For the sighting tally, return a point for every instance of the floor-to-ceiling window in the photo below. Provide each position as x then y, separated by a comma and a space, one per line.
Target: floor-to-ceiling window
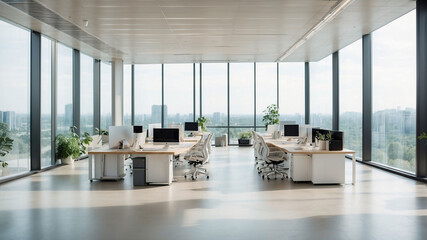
214, 96
106, 96
321, 93
350, 96
394, 93
127, 94
178, 93
266, 90
241, 99
86, 94
15, 96
148, 94
46, 102
64, 104
292, 92
197, 89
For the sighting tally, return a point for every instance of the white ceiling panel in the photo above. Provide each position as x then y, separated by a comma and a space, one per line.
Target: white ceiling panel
176, 31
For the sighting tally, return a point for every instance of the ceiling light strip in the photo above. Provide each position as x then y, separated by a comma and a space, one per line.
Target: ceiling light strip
339, 7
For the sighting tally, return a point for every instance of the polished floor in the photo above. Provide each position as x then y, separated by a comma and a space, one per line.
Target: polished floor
235, 203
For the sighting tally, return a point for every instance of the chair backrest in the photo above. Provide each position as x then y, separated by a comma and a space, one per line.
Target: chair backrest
209, 139
205, 148
264, 149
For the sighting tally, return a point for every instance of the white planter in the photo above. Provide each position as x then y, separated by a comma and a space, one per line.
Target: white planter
68, 161
324, 145
105, 139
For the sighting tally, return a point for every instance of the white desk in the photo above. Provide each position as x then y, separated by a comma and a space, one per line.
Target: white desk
159, 161
318, 165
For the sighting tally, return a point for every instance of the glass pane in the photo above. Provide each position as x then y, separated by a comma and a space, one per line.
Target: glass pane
148, 94
394, 93
178, 80
292, 92
46, 101
217, 132
321, 93
214, 94
15, 96
241, 94
127, 95
266, 88
86, 94
197, 90
235, 134
106, 95
64, 104
350, 75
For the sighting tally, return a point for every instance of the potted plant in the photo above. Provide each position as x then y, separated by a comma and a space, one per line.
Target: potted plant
271, 115
67, 149
83, 141
6, 145
203, 122
245, 139
324, 140
103, 133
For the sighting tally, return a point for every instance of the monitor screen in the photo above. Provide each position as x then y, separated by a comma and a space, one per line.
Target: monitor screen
137, 129
191, 126
291, 130
118, 133
165, 135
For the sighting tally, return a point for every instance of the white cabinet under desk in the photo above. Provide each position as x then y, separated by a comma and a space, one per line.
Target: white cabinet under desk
299, 167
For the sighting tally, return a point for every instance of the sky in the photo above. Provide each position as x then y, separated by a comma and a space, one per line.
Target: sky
394, 78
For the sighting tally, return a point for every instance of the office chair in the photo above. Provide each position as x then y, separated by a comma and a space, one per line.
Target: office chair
273, 159
197, 158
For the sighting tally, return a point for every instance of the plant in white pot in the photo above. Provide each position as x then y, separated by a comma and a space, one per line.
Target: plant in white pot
203, 122
324, 140
67, 149
103, 133
6, 144
271, 115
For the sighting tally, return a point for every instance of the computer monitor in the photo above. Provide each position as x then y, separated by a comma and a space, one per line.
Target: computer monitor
191, 126
151, 126
181, 130
137, 129
291, 130
283, 123
118, 133
166, 136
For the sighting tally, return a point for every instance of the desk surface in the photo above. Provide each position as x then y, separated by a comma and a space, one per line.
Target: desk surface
294, 148
149, 148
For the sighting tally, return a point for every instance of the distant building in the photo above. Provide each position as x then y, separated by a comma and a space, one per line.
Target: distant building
216, 117
156, 113
9, 118
1, 116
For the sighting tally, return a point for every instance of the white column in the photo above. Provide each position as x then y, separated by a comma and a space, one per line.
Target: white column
117, 91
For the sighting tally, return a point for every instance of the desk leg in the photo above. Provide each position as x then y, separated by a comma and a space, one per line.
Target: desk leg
89, 160
353, 175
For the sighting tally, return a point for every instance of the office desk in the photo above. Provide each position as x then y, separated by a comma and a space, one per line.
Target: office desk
318, 160
159, 161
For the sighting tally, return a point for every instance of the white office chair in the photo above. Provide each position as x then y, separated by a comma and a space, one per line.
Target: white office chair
198, 157
273, 159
